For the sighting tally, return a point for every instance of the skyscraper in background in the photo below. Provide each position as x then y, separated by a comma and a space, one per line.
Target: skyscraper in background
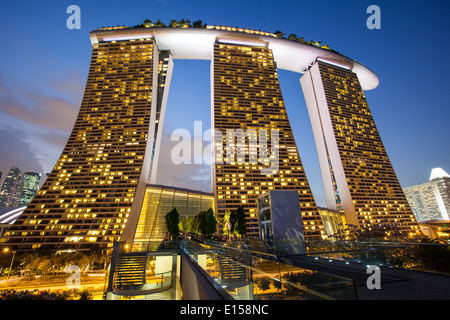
441, 184
431, 200
30, 187
12, 188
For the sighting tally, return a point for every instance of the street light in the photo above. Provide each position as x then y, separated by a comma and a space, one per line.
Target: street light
12, 260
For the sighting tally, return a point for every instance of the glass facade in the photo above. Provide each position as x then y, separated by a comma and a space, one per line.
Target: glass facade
441, 187
158, 201
12, 188
430, 200
333, 220
30, 187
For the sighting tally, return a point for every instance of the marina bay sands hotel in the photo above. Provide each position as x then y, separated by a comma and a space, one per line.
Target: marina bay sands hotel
102, 188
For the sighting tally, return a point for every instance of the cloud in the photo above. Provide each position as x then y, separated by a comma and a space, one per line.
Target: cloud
191, 176
38, 109
43, 115
35, 125
15, 151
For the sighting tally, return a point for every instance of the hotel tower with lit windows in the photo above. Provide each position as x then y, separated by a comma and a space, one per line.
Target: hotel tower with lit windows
356, 171
97, 191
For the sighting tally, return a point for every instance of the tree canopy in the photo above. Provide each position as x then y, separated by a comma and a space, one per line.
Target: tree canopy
172, 221
186, 23
241, 224
205, 223
234, 222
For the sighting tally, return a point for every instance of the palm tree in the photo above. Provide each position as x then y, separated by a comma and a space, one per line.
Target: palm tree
148, 23
160, 24
185, 23
174, 23
279, 34
198, 24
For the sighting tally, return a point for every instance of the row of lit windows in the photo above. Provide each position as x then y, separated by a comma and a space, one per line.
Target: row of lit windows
238, 103
369, 174
121, 75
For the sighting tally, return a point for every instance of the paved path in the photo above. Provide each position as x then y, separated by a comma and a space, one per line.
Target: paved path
422, 286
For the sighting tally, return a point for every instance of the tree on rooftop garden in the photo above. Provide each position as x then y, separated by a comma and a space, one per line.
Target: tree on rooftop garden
159, 24
279, 34
198, 24
173, 23
148, 23
182, 23
185, 23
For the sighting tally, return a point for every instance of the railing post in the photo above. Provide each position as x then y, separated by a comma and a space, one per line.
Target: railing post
118, 248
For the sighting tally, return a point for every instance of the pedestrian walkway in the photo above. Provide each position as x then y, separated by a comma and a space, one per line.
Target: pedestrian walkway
421, 286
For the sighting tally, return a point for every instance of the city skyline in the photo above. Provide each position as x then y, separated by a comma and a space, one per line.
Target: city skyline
41, 89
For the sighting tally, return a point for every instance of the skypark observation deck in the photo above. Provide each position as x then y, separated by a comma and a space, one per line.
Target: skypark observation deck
198, 44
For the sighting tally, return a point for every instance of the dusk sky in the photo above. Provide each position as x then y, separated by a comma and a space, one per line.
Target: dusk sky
44, 67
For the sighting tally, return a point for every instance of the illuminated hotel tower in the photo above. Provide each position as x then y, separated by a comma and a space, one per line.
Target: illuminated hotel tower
356, 170
246, 95
98, 183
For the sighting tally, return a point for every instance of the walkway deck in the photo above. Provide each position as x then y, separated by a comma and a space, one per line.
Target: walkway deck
422, 286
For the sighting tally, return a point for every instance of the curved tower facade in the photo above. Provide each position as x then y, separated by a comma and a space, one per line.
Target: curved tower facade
357, 174
98, 183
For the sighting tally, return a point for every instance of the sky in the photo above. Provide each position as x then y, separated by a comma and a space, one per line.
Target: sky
44, 67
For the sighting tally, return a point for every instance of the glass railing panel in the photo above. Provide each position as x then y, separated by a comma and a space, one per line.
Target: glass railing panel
157, 281
249, 275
